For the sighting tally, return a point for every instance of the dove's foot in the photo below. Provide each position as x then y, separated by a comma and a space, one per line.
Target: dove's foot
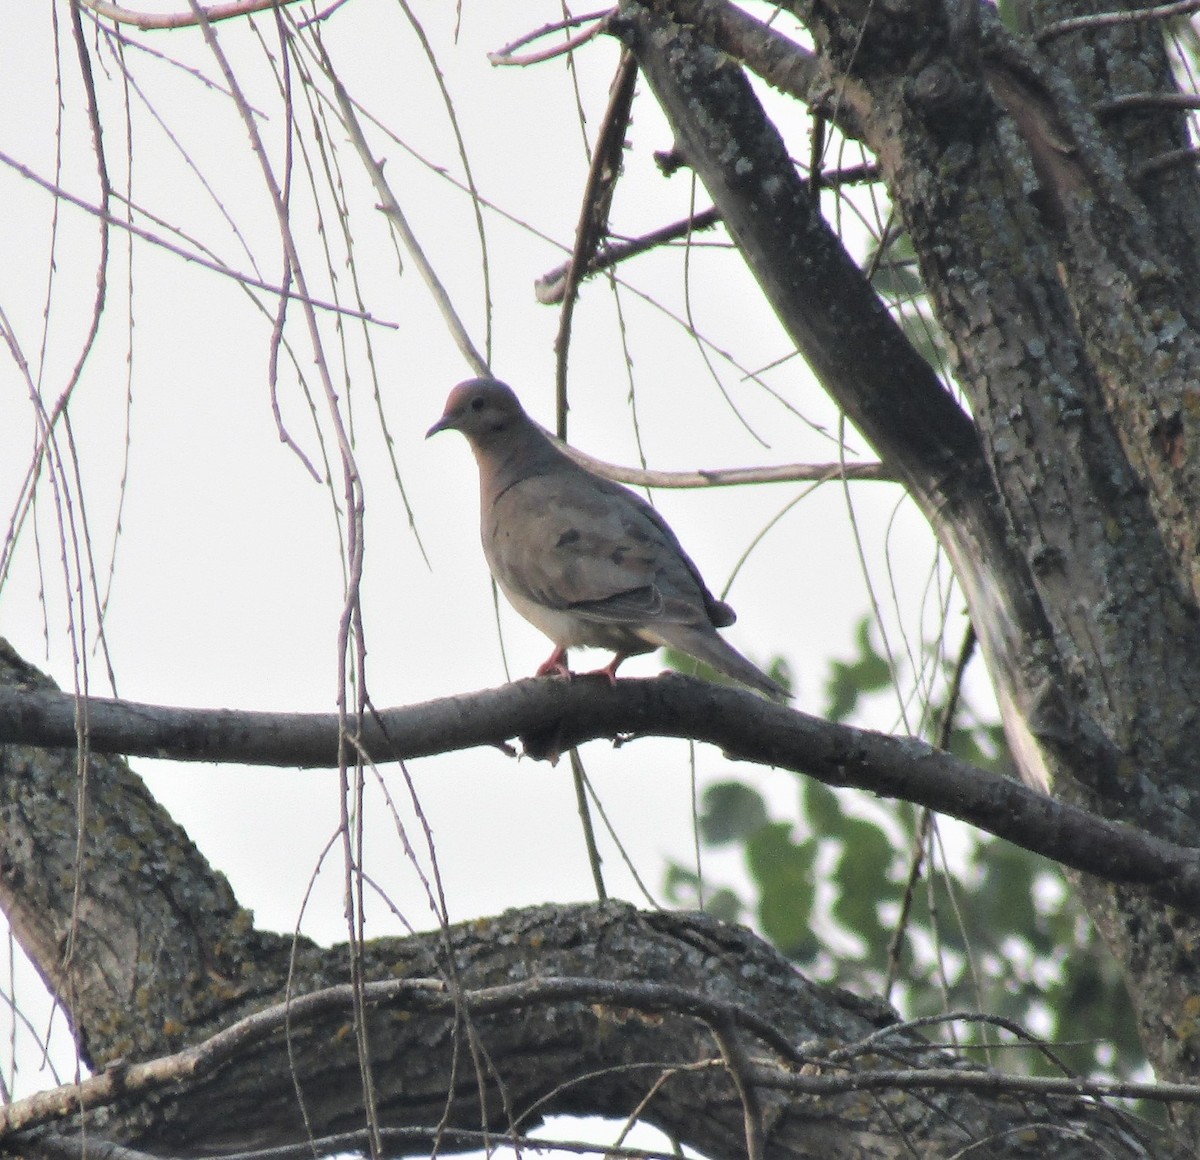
555, 665
609, 672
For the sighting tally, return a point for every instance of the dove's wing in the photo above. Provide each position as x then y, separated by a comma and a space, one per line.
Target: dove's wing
574, 542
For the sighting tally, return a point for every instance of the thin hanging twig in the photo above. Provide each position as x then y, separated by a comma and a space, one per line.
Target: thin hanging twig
593, 215
925, 822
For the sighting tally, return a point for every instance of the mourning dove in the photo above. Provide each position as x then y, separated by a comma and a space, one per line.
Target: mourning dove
583, 559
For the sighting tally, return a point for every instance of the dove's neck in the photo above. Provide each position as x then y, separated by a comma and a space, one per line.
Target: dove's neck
523, 453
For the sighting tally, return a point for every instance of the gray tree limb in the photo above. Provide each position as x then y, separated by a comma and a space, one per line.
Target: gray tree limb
551, 716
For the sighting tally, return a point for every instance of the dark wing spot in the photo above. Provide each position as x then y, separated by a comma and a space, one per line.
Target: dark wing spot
617, 555
636, 533
570, 536
721, 615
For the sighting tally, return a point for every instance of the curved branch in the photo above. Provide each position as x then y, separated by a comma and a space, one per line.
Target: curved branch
551, 715
510, 49
158, 20
823, 1071
410, 995
507, 56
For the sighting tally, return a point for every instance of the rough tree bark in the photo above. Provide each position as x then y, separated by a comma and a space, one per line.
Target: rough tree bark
1062, 258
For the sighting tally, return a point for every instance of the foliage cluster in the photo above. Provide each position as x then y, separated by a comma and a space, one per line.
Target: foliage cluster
880, 898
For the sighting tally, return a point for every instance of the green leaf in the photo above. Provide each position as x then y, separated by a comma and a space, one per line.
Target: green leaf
868, 672
862, 879
725, 905
731, 812
783, 870
821, 807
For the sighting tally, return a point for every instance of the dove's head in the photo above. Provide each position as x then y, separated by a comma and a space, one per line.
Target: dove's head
487, 412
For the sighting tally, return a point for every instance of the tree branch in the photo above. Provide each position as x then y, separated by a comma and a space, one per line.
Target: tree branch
158, 20
731, 476
552, 715
868, 366
1096, 20
668, 983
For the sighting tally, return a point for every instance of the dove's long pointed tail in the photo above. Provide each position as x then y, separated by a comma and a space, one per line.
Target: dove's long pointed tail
711, 648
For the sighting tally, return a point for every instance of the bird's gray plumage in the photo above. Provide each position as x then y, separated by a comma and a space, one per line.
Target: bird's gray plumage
584, 559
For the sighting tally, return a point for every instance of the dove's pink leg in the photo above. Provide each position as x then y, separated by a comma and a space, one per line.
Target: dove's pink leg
610, 670
555, 665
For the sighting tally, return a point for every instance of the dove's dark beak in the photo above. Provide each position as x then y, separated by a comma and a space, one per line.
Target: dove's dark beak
445, 423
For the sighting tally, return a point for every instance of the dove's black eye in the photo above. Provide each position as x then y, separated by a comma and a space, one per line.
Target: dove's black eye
478, 403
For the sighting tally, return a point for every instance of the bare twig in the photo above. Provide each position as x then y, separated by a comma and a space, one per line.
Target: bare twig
154, 239
568, 45
731, 476
391, 207
877, 1040
1132, 102
579, 778
1110, 19
149, 20
737, 1065
507, 54
468, 170
598, 192
1185, 156
549, 288
925, 822
949, 1079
